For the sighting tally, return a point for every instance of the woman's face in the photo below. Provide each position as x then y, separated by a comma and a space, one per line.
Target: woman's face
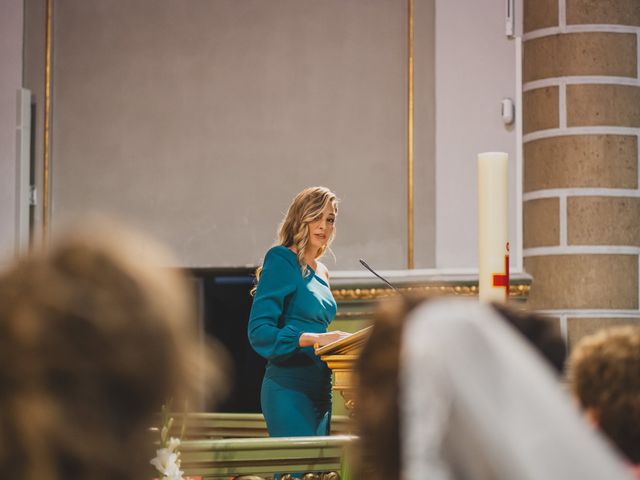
321, 229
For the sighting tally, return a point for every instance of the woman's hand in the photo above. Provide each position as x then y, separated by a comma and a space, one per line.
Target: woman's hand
321, 339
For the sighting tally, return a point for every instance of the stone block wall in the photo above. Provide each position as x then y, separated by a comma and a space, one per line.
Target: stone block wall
581, 125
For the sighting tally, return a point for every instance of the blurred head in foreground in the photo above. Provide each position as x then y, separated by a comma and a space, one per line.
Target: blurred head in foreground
604, 373
449, 389
94, 338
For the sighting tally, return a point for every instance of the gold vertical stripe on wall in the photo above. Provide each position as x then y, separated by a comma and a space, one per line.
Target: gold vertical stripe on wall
410, 138
47, 124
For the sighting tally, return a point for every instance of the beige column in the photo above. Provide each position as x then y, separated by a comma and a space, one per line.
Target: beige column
581, 125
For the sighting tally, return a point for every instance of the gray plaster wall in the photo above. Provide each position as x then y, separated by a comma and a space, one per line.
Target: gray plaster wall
475, 69
11, 22
199, 120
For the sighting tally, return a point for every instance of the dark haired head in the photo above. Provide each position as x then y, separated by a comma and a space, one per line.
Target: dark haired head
539, 332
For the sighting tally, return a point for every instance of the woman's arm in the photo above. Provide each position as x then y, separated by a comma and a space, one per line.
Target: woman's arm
278, 280
321, 339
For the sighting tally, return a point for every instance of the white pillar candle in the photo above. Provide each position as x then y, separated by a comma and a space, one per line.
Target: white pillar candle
493, 230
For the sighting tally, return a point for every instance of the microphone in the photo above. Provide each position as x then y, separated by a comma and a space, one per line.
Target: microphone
364, 264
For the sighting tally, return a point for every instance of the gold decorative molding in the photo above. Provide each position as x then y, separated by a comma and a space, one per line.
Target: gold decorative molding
355, 294
410, 215
47, 123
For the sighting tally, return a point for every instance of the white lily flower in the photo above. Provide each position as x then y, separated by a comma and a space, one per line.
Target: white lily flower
161, 459
167, 459
173, 444
173, 471
166, 462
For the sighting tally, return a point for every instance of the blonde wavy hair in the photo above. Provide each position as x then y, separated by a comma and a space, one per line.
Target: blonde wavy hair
293, 231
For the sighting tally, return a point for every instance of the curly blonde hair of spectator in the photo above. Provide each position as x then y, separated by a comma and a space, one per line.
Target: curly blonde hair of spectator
604, 374
92, 342
293, 231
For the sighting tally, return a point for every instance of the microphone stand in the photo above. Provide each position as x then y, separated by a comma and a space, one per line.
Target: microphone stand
364, 264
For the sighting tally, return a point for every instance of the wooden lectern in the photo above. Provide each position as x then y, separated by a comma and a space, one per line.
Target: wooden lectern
357, 297
341, 356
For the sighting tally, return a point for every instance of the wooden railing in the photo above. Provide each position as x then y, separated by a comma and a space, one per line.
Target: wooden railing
315, 457
209, 426
228, 446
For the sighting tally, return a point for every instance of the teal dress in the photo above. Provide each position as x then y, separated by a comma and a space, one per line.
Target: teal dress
296, 389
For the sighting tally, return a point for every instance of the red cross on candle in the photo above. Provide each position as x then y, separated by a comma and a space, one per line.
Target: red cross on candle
502, 279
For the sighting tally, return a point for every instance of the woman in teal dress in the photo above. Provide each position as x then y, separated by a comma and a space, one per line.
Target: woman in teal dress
291, 311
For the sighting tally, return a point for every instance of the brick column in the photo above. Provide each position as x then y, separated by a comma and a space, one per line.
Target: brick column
581, 120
